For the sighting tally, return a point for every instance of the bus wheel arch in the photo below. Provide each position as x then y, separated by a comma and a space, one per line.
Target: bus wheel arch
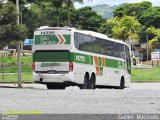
92, 81
122, 83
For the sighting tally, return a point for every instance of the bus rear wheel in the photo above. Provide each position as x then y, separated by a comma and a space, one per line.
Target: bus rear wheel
92, 82
85, 85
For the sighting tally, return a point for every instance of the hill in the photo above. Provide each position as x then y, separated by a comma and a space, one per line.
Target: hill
104, 10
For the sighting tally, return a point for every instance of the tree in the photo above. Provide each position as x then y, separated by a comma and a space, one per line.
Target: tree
58, 4
124, 28
136, 10
151, 17
154, 41
132, 9
70, 4
9, 30
106, 27
88, 19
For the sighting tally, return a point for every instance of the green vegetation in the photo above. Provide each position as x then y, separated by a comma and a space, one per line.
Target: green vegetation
144, 75
9, 78
10, 31
10, 69
10, 64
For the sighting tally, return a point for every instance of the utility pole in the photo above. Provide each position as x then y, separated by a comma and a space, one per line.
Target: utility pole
130, 39
18, 50
147, 46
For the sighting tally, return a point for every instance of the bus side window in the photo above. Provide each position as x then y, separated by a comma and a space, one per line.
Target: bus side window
128, 60
116, 50
76, 40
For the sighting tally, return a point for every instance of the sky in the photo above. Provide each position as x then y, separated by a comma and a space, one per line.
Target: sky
112, 2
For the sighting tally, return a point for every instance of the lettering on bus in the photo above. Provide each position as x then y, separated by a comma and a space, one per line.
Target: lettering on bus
49, 64
80, 58
46, 40
47, 33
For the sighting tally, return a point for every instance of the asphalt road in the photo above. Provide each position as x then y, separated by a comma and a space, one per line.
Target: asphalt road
139, 98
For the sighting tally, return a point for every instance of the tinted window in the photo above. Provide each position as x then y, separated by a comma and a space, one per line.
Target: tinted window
103, 47
100, 46
119, 50
83, 42
128, 59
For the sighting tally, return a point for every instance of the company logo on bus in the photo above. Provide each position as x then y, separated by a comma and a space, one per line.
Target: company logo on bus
80, 58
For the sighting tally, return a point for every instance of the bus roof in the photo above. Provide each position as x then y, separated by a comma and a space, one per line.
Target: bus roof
54, 28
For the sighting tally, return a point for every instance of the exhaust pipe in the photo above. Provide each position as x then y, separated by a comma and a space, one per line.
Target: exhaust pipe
41, 79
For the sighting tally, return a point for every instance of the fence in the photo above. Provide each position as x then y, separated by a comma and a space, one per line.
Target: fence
9, 68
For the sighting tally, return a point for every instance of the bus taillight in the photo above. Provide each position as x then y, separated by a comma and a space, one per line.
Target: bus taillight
71, 66
33, 66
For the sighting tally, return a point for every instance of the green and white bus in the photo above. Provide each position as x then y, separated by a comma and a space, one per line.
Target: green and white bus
66, 56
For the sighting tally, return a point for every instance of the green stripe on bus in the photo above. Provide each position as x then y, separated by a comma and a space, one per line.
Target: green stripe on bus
91, 60
86, 59
51, 57
111, 63
80, 58
75, 57
67, 38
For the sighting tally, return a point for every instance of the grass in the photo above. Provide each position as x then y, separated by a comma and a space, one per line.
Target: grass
13, 59
10, 66
144, 75
25, 77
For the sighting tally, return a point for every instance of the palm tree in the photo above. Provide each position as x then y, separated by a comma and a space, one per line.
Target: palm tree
70, 3
58, 4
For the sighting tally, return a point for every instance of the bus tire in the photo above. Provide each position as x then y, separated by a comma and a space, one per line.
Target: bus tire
55, 86
50, 86
92, 82
85, 85
122, 83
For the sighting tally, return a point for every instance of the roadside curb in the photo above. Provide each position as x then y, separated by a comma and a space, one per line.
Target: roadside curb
11, 85
7, 87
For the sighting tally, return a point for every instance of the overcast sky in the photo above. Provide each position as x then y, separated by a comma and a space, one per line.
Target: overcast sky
113, 2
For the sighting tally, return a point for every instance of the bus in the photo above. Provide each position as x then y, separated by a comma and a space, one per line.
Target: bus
64, 56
